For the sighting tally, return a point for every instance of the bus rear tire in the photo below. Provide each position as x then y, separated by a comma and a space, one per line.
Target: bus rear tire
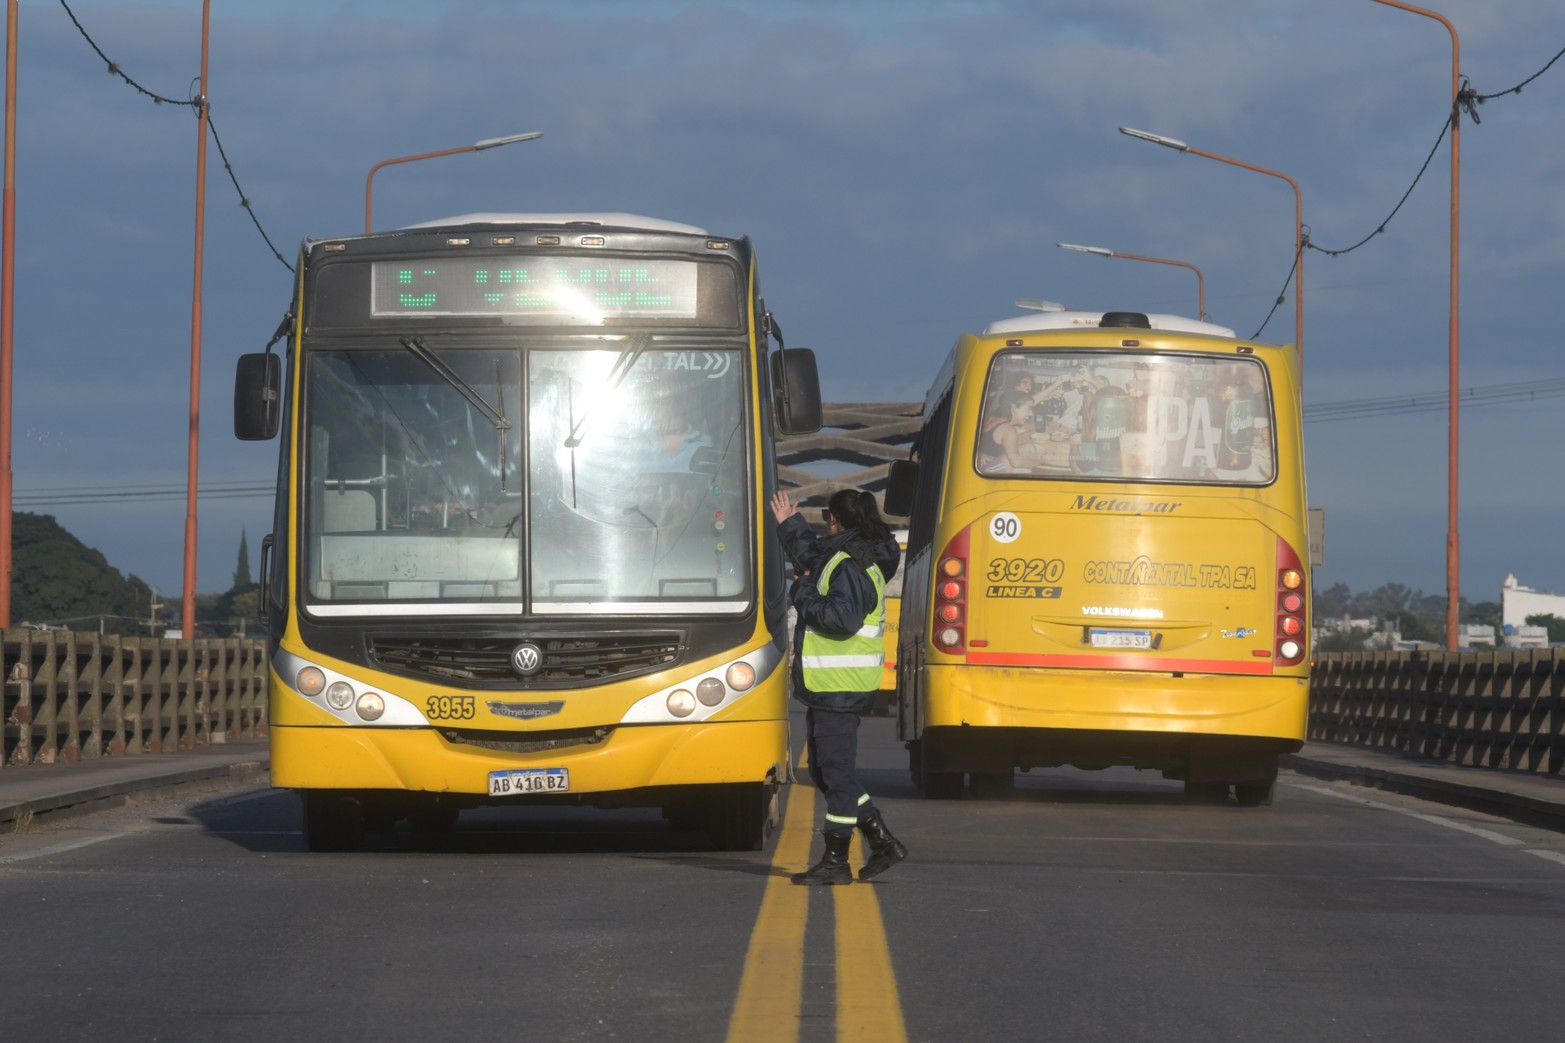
934, 785
332, 821
992, 785
1206, 792
1255, 794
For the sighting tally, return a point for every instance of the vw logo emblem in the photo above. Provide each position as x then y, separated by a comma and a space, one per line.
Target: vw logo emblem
527, 659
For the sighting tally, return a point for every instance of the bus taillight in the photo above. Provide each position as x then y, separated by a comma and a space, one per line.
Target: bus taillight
1290, 606
950, 608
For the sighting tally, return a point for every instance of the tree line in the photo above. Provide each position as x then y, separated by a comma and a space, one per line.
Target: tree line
58, 582
1412, 613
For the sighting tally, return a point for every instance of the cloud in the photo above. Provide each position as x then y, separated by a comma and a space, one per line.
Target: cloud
904, 169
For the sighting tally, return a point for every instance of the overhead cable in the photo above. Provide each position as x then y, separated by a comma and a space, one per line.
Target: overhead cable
199, 105
1430, 401
1466, 100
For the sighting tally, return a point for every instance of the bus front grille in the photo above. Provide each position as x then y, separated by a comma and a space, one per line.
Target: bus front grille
533, 742
567, 659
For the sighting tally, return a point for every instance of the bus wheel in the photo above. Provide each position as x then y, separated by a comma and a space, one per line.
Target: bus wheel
936, 785
1206, 792
332, 821
1255, 794
992, 785
737, 815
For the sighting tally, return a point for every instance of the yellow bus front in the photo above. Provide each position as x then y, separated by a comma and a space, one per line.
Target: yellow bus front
521, 537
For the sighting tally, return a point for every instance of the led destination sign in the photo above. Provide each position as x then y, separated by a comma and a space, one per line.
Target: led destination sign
570, 290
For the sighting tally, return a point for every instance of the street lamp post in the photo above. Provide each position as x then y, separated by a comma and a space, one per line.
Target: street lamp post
188, 607
7, 311
1298, 219
479, 146
1453, 334
1103, 251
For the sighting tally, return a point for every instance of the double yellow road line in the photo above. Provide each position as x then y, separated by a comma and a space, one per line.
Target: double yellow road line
771, 991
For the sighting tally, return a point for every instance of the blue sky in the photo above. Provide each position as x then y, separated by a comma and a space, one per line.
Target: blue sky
905, 170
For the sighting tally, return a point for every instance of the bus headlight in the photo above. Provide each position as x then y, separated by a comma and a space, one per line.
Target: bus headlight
681, 703
310, 681
741, 676
710, 691
370, 706
339, 695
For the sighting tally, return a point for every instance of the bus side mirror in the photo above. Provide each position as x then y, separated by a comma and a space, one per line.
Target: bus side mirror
796, 392
901, 484
258, 383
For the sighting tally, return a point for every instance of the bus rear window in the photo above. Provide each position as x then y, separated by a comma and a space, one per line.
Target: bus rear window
1127, 416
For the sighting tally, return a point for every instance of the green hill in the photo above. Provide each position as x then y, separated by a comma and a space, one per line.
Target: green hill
57, 579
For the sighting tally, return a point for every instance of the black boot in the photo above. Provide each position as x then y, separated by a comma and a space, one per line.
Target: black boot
885, 850
833, 866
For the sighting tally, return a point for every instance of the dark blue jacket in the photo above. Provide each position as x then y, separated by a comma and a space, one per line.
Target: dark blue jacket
841, 610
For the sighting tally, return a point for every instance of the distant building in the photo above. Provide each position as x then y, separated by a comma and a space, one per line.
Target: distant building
1469, 635
1526, 637
1518, 602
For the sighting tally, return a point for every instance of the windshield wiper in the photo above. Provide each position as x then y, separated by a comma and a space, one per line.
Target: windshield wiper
420, 350
417, 346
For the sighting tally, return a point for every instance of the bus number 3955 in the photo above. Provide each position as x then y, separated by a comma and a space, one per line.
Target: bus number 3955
450, 707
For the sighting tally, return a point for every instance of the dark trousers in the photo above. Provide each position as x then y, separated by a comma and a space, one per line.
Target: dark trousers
833, 744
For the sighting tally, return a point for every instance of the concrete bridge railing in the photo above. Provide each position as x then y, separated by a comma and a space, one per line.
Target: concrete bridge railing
1480, 709
71, 696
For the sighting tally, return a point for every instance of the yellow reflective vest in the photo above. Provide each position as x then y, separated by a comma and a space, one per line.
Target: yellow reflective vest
852, 663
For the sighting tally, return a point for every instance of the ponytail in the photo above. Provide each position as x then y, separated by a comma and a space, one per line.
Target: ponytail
871, 523
856, 509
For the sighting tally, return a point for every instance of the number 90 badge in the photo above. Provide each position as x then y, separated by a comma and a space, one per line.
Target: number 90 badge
1005, 527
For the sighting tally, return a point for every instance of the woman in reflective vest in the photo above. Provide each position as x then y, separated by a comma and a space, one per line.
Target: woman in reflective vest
840, 601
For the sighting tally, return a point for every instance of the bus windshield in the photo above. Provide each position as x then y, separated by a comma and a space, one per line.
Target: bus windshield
555, 479
1127, 416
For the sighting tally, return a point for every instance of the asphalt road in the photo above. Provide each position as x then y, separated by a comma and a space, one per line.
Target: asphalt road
1091, 906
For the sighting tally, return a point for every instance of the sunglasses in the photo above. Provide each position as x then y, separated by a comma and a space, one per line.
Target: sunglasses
825, 516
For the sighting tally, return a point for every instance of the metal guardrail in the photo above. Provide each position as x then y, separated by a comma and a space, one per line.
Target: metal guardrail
1478, 709
853, 450
71, 696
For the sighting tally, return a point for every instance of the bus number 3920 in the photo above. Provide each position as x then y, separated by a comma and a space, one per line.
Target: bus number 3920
1026, 570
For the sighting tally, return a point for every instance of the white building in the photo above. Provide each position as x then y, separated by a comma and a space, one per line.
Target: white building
1471, 635
1518, 602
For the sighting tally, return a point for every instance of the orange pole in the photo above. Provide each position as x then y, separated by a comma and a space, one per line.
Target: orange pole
1453, 596
1200, 280
1298, 218
1298, 239
189, 605
478, 146
370, 179
7, 308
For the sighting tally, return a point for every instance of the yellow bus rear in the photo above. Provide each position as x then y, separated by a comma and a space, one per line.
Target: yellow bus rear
1106, 557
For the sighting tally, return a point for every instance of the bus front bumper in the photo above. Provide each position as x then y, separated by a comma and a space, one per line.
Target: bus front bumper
631, 757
